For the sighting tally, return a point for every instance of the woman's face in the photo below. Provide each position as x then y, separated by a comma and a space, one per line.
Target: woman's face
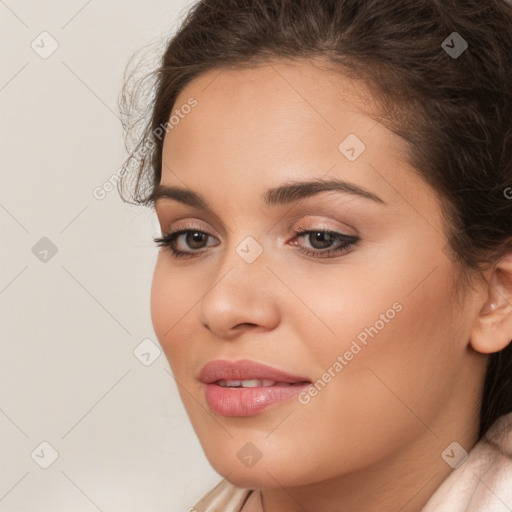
365, 312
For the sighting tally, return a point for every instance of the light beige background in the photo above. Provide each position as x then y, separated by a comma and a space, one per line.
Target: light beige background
70, 322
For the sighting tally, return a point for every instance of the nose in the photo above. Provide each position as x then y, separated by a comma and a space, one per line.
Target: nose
241, 296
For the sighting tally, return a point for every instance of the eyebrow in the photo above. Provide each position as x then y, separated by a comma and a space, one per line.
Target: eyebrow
286, 193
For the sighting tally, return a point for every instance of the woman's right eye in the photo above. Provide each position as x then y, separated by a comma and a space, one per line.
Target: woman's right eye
192, 238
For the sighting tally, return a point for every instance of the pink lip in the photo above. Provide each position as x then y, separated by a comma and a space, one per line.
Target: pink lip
238, 401
244, 369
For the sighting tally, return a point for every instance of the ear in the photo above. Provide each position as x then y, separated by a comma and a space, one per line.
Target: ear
492, 331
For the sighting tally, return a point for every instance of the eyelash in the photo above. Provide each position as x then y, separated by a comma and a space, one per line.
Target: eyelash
169, 241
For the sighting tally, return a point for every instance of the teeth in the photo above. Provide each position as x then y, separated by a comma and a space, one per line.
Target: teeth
253, 383
229, 383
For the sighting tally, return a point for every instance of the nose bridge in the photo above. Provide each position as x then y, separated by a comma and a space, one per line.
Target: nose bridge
245, 243
243, 267
241, 290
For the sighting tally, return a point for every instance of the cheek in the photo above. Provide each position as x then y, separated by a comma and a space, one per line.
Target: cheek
398, 339
162, 302
399, 363
172, 299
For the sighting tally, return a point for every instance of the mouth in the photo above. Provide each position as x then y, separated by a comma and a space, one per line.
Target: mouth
246, 388
255, 383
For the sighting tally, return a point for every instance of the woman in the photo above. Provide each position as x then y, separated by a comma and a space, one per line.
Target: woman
332, 179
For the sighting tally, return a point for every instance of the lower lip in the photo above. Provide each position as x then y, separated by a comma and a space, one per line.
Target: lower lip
247, 401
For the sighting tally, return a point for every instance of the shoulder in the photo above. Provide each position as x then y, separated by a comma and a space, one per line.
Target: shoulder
483, 482
223, 497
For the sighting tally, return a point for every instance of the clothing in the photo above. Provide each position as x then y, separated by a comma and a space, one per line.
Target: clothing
224, 497
482, 483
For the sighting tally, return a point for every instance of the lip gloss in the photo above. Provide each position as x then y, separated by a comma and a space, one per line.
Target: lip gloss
240, 401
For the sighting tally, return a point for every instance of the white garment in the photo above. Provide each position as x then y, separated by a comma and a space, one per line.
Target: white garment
224, 497
482, 483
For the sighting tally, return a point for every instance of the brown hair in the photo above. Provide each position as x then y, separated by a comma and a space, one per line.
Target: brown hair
454, 110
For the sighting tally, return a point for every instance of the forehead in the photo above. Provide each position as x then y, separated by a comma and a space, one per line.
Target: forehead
276, 96
308, 77
276, 107
257, 127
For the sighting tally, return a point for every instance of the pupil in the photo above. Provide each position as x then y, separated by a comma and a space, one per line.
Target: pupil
318, 236
196, 238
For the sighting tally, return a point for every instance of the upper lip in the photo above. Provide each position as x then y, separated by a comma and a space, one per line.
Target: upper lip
244, 370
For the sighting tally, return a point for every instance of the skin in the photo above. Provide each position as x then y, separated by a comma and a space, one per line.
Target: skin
372, 438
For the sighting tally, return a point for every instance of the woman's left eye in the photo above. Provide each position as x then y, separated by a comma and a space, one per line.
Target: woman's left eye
321, 241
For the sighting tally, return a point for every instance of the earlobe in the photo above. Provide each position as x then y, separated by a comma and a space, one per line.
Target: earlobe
492, 331
489, 308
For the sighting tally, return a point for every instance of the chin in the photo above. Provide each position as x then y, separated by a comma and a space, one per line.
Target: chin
267, 472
